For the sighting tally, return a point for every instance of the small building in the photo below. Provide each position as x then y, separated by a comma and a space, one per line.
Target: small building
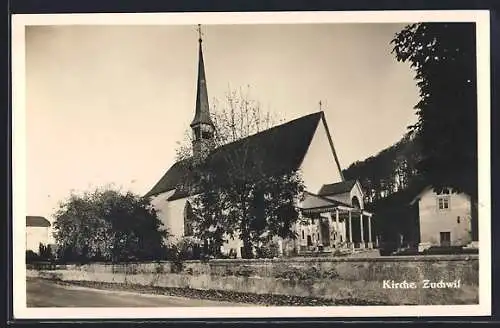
445, 219
37, 232
335, 219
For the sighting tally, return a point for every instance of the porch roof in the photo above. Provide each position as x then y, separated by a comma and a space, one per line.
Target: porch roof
316, 202
313, 203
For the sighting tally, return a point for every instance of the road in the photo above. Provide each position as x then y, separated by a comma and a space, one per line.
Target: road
43, 293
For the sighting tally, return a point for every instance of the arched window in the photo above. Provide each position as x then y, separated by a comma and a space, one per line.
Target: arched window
355, 202
188, 220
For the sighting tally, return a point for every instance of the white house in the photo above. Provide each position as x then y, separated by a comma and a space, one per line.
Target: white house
331, 205
445, 219
37, 232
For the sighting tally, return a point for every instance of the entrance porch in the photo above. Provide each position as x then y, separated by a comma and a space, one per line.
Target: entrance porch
328, 225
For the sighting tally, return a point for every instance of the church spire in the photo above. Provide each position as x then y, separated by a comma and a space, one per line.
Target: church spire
202, 113
202, 125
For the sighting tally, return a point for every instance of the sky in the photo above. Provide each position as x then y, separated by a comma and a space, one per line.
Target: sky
107, 104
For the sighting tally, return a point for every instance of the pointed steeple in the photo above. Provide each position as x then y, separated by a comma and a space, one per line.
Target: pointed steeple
202, 113
202, 125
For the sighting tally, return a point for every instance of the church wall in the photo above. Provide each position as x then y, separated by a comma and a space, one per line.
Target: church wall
171, 214
176, 218
319, 167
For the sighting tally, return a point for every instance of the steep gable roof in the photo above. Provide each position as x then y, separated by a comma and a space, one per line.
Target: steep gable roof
171, 178
277, 150
337, 188
37, 221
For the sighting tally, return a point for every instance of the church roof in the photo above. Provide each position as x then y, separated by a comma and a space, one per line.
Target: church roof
37, 221
172, 178
280, 149
337, 188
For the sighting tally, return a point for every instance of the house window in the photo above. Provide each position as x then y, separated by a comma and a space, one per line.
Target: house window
458, 219
302, 234
443, 203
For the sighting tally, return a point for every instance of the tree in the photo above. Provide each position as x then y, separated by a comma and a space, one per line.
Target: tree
108, 224
390, 171
390, 181
252, 206
444, 59
236, 196
236, 117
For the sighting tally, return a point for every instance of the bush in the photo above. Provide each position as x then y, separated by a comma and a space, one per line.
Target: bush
268, 251
31, 256
185, 249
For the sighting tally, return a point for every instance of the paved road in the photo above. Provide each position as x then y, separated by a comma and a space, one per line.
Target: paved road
43, 293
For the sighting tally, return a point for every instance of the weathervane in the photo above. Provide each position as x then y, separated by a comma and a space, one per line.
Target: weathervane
320, 103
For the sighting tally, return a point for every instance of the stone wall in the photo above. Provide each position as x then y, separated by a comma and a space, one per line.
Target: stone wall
332, 278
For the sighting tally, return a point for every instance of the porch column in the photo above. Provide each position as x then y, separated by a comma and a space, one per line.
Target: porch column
336, 224
370, 243
362, 243
350, 230
280, 247
331, 231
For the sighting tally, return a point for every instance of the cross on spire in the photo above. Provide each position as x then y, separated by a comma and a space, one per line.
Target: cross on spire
200, 34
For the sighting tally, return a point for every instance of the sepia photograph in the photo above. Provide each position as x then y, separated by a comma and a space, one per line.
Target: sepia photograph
251, 165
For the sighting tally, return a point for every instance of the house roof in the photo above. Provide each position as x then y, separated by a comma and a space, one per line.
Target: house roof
337, 188
277, 150
37, 221
423, 190
419, 195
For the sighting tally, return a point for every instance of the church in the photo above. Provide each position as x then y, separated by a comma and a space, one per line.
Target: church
332, 210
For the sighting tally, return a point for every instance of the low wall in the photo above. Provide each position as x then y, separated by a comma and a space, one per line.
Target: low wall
372, 279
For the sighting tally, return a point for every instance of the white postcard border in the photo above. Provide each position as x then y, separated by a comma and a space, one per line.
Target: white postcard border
21, 311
